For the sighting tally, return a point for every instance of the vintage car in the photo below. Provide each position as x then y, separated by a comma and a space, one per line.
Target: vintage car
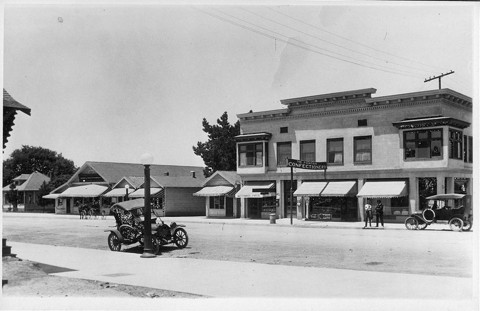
129, 228
449, 207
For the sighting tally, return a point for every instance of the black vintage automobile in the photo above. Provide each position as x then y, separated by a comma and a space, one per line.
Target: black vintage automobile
449, 207
130, 224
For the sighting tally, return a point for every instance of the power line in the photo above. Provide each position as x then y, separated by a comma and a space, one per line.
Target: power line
344, 38
323, 40
356, 62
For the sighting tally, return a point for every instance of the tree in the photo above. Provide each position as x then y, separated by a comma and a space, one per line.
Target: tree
218, 153
12, 197
44, 190
29, 159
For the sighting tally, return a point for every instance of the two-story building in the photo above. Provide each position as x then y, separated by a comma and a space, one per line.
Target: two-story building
398, 149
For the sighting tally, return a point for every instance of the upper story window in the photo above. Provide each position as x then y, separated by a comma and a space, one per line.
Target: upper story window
423, 144
307, 150
251, 154
455, 144
284, 152
362, 122
335, 151
362, 149
465, 148
284, 129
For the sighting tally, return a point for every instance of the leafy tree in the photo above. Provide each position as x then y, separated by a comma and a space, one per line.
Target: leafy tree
44, 190
29, 159
218, 153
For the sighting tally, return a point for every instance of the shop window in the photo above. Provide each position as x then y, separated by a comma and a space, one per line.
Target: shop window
363, 149
423, 144
335, 151
307, 150
455, 144
427, 186
284, 152
217, 203
470, 149
251, 154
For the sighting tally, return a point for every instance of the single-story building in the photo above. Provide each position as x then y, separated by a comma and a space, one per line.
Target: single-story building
27, 187
219, 191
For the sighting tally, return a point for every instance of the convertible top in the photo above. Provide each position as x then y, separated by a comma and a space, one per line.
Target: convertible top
446, 196
129, 205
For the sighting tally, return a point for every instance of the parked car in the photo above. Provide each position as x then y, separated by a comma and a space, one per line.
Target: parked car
129, 228
450, 207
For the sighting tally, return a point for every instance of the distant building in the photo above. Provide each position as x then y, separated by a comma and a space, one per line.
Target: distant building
219, 191
397, 149
27, 187
10, 108
171, 187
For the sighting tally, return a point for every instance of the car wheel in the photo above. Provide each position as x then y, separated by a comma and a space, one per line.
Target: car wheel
422, 225
467, 225
114, 242
181, 238
456, 224
411, 223
429, 215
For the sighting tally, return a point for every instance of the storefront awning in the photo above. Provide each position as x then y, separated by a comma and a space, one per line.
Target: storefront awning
88, 191
214, 191
118, 192
140, 193
383, 189
51, 196
339, 189
256, 191
310, 189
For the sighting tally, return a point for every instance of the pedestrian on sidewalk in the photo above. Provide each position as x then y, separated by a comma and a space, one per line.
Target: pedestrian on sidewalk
368, 214
379, 212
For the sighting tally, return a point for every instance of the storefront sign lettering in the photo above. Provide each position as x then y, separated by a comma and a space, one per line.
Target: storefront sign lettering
307, 165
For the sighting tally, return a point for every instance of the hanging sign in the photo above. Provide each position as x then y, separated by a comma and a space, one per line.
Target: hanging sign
307, 165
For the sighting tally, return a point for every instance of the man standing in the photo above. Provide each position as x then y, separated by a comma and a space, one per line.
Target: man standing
368, 214
379, 212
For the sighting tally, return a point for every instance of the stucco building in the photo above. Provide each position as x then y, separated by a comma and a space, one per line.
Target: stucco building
397, 149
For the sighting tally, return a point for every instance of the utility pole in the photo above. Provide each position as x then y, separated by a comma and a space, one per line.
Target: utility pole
439, 78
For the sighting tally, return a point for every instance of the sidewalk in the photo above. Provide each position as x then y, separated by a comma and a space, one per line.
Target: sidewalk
246, 221
222, 279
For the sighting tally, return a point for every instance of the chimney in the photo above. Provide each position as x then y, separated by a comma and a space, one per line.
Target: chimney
193, 174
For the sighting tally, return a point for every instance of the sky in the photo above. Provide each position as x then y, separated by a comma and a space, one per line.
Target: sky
110, 82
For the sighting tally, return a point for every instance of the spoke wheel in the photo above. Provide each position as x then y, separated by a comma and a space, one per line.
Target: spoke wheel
467, 225
456, 224
411, 223
181, 238
421, 225
429, 215
114, 242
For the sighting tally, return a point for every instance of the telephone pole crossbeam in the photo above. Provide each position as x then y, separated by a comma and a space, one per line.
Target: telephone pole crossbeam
439, 77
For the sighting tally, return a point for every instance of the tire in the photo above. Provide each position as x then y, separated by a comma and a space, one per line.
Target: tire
411, 223
429, 215
181, 238
456, 224
114, 242
422, 225
467, 225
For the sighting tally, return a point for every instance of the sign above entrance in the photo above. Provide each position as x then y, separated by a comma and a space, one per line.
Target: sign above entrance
307, 165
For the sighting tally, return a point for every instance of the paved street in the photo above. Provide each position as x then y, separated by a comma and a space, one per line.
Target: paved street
435, 251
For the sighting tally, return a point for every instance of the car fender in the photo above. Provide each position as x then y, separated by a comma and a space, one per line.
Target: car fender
117, 233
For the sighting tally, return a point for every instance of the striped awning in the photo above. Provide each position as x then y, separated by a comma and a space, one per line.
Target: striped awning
118, 192
256, 191
383, 189
310, 189
214, 191
88, 191
140, 193
339, 189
